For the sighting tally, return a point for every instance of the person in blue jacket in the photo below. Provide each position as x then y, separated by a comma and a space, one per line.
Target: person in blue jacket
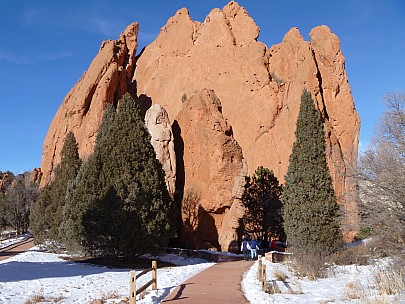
253, 248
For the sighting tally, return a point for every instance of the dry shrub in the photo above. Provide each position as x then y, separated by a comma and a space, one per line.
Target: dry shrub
312, 266
143, 294
354, 290
110, 295
358, 255
279, 275
389, 278
35, 298
272, 287
39, 297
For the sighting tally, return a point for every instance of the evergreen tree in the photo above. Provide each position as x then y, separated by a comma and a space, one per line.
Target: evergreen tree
48, 211
311, 212
264, 211
119, 204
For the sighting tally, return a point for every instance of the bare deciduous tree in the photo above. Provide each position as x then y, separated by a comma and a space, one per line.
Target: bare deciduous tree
16, 202
382, 175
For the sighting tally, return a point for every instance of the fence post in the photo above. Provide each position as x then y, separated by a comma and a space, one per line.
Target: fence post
154, 275
264, 278
259, 268
132, 287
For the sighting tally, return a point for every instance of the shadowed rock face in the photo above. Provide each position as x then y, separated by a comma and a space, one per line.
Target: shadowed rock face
259, 89
214, 168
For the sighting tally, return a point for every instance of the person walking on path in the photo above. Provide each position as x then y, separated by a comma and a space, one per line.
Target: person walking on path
253, 248
245, 248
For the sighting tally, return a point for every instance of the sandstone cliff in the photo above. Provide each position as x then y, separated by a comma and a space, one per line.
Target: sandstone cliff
259, 89
106, 80
213, 168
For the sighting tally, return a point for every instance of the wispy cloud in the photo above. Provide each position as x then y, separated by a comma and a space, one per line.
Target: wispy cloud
34, 16
26, 59
109, 28
94, 22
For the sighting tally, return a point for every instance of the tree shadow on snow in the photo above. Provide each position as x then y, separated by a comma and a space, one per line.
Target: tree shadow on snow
17, 271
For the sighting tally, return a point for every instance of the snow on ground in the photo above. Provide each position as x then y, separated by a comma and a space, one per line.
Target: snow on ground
345, 284
13, 240
34, 273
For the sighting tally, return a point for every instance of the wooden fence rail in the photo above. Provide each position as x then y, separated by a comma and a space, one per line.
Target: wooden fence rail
9, 235
261, 273
132, 283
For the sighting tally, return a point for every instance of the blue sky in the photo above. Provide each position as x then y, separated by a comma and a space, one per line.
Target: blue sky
46, 46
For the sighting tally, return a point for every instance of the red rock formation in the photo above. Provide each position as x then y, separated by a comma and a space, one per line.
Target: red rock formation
214, 167
259, 89
81, 111
36, 175
3, 182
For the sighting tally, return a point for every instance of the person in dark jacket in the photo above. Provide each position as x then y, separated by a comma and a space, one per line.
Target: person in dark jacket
245, 248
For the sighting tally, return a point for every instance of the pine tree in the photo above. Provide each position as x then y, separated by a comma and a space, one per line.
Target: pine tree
264, 211
47, 214
119, 204
311, 212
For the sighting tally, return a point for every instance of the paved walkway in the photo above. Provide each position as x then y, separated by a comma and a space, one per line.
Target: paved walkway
15, 249
217, 284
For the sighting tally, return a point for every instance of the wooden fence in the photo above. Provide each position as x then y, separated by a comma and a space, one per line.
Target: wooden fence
7, 236
132, 283
261, 272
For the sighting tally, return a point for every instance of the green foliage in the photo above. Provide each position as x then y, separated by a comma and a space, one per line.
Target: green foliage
47, 213
119, 203
264, 211
311, 212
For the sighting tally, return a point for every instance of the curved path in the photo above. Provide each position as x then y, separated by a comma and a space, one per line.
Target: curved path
217, 284
15, 249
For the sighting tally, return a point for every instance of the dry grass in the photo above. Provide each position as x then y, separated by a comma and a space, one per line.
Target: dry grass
39, 297
354, 290
110, 295
279, 275
272, 287
143, 294
309, 265
389, 278
358, 255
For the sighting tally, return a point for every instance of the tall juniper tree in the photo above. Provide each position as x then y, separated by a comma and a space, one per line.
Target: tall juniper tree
47, 213
311, 212
119, 203
262, 199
